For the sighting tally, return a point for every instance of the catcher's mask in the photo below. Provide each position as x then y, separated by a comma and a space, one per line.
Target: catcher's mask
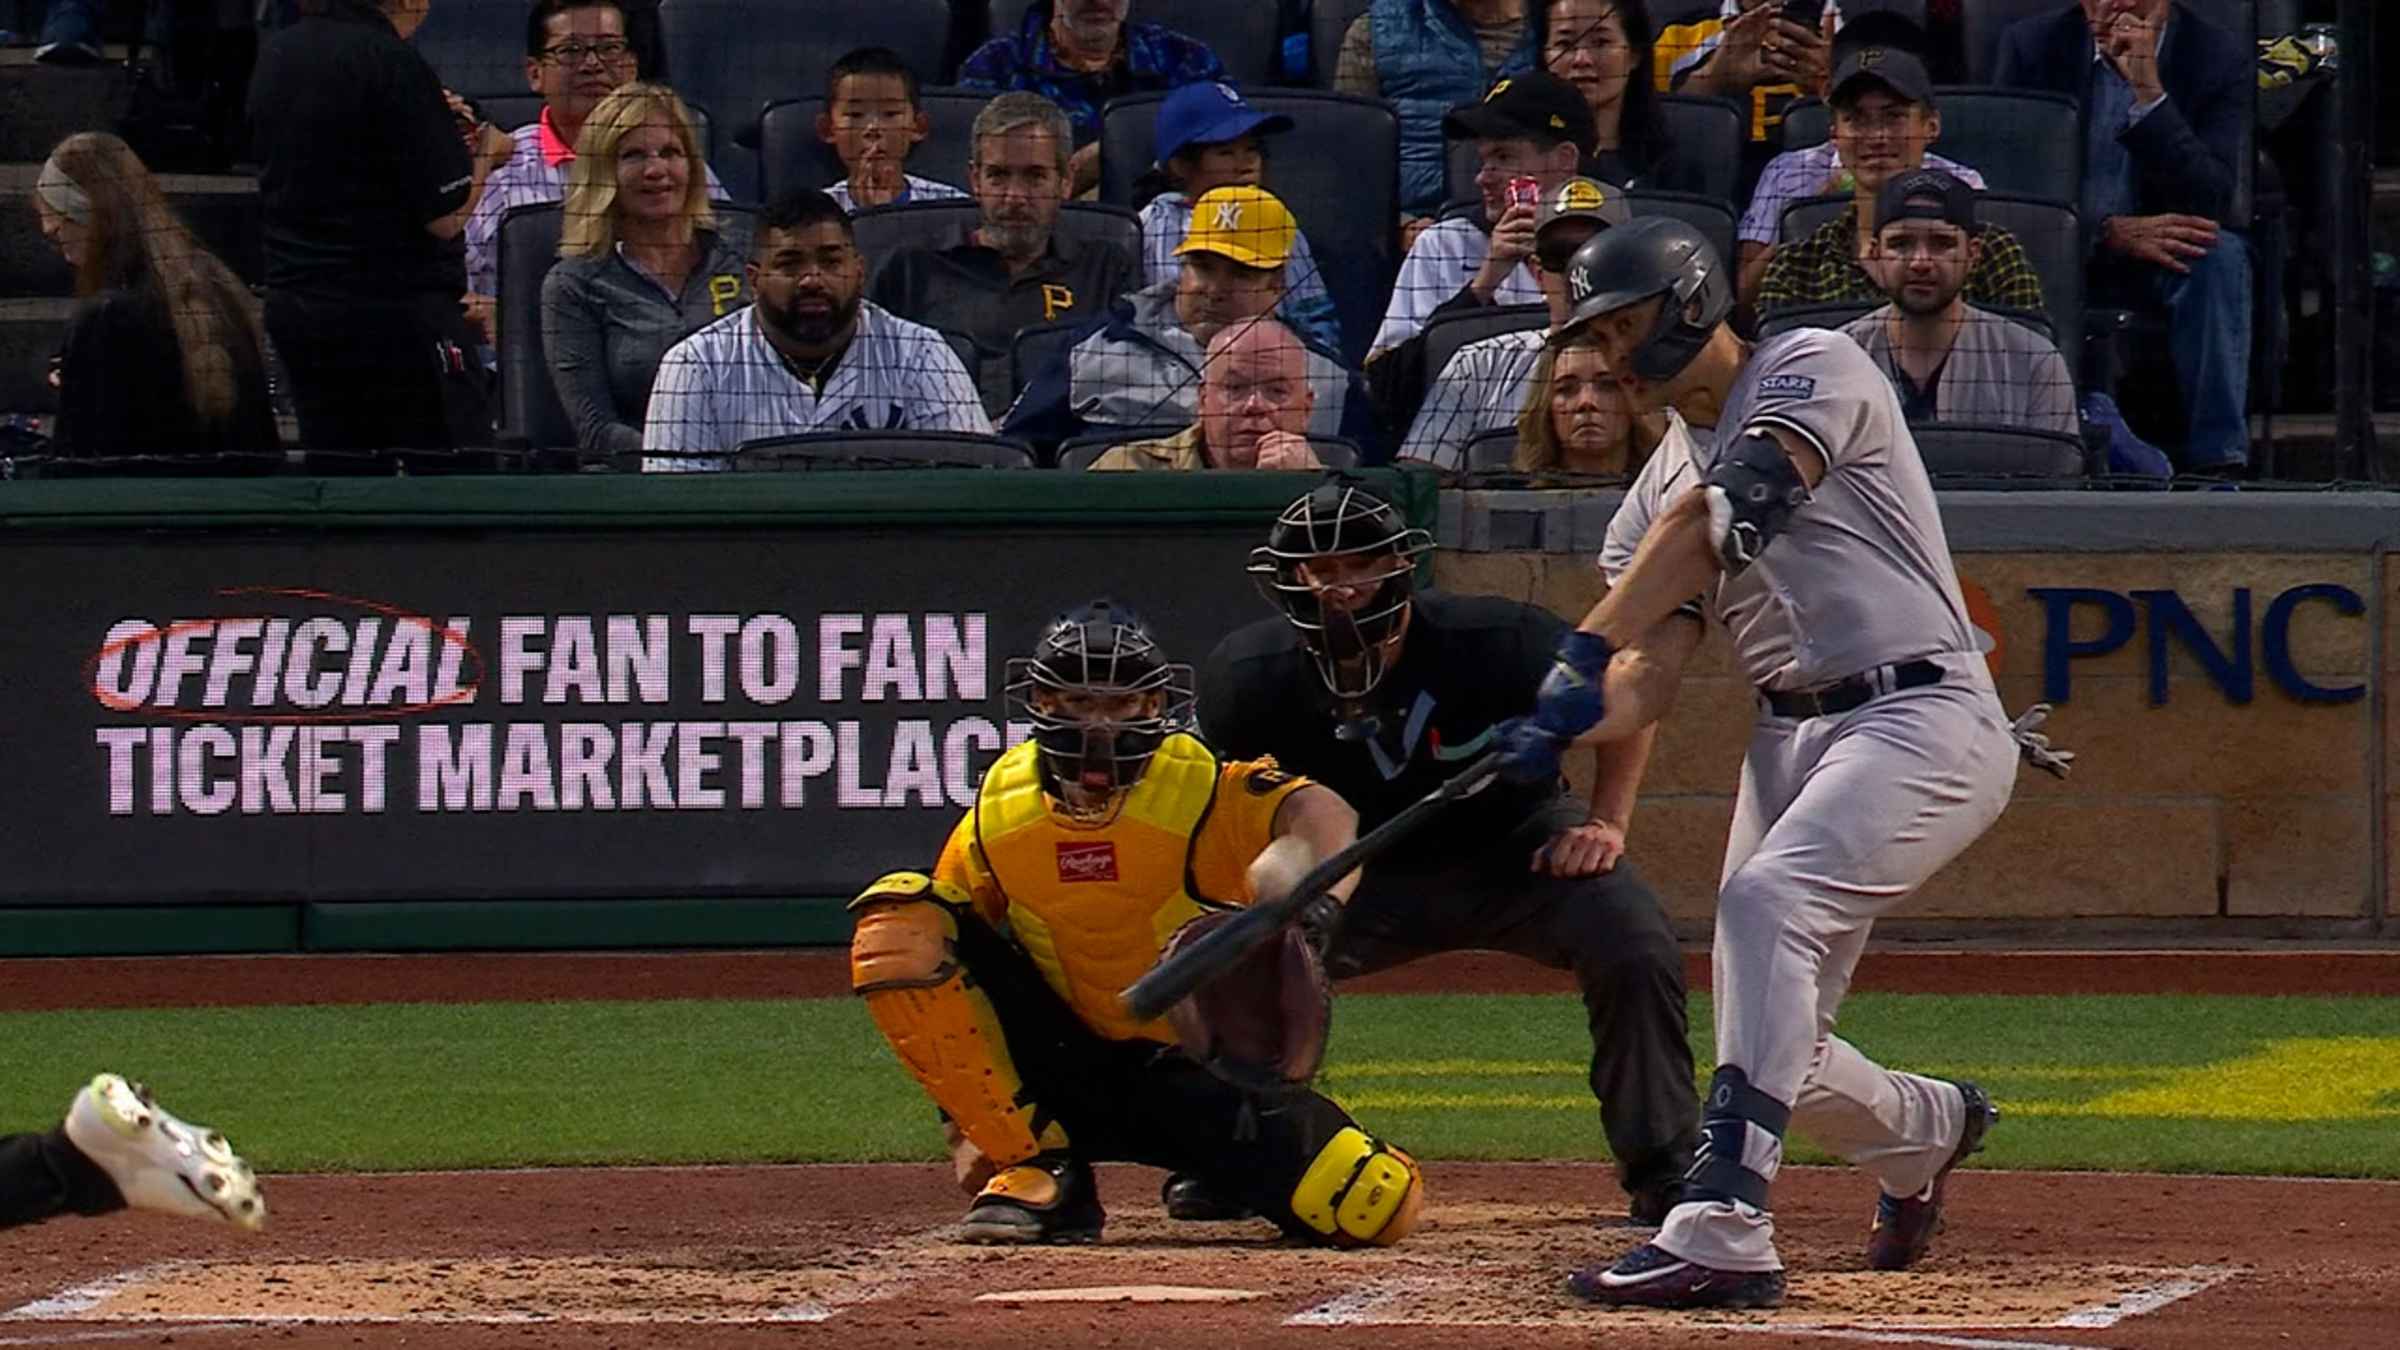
1101, 697
1340, 563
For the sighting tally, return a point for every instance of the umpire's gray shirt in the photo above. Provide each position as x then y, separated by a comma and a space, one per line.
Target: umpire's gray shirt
1861, 577
1999, 372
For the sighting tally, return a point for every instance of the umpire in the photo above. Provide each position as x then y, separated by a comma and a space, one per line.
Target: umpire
1381, 691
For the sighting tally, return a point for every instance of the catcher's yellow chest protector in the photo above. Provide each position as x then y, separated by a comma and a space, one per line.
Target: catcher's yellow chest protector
1093, 907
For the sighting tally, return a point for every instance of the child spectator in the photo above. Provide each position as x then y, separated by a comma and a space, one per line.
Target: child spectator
873, 119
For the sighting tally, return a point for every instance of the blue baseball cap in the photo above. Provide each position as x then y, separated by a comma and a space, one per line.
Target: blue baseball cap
1209, 114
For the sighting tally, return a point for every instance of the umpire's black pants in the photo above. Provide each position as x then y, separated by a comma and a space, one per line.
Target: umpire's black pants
43, 1176
1609, 929
1142, 1102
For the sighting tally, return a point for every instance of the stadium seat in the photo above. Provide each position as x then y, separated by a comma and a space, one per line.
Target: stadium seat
1813, 316
1708, 134
1039, 347
31, 332
1338, 169
530, 411
1447, 333
885, 230
223, 210
2050, 233
1334, 452
1243, 33
511, 111
1328, 22
2001, 457
1493, 449
1709, 215
881, 450
738, 57
1983, 21
475, 46
2010, 136
790, 155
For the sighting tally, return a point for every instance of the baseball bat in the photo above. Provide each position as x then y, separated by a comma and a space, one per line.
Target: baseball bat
1171, 981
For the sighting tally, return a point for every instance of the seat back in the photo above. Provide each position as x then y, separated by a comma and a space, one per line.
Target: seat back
1709, 215
1984, 21
1338, 169
885, 230
1334, 452
881, 450
1447, 333
1243, 33
2020, 140
1493, 449
1708, 135
1328, 22
790, 156
1964, 454
1814, 316
475, 46
1034, 349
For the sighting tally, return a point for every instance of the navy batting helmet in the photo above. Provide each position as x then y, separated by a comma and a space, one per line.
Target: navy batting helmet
1652, 255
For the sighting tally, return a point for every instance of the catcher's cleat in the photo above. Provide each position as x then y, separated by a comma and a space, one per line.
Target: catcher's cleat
1193, 1200
1651, 1277
1905, 1225
1048, 1199
159, 1162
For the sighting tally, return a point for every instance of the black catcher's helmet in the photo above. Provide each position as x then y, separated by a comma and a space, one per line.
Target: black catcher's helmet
1340, 564
1101, 696
1652, 255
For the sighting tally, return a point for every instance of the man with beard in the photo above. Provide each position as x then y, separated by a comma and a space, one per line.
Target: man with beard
807, 355
1950, 361
1382, 691
1145, 364
1011, 270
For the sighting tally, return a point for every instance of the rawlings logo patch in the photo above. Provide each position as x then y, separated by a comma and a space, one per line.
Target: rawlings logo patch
1788, 386
1087, 862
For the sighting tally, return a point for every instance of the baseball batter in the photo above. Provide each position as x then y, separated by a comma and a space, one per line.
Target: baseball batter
1089, 847
1804, 521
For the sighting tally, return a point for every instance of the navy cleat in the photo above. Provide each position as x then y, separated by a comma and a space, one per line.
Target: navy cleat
1651, 1277
1905, 1225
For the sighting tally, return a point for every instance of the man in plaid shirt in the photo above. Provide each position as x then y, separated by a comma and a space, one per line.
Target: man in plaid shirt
1079, 54
1883, 118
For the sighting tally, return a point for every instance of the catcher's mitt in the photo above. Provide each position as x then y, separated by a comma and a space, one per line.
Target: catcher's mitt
1261, 1025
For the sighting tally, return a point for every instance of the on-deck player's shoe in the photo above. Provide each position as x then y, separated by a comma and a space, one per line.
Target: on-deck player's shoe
1193, 1200
160, 1162
1651, 1277
1904, 1227
1049, 1198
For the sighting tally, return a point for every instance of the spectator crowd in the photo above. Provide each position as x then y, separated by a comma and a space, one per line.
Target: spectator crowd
1126, 246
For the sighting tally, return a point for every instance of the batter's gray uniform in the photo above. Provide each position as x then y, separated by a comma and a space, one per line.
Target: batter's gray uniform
1839, 817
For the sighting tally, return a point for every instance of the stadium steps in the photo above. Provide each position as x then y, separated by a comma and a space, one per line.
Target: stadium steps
223, 210
30, 334
43, 105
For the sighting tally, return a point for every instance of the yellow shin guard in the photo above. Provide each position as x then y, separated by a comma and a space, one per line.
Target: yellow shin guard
1360, 1191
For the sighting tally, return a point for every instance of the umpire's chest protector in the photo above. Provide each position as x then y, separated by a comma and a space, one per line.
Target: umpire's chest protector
1094, 907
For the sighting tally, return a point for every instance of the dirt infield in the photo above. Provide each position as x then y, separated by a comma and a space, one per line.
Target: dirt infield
221, 981
862, 1256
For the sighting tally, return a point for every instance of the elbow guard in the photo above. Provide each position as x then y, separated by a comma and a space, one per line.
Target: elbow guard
1753, 489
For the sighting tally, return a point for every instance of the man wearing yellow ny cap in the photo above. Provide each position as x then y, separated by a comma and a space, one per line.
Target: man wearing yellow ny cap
1143, 366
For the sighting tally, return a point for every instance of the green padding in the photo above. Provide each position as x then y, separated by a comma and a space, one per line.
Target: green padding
947, 496
565, 925
127, 930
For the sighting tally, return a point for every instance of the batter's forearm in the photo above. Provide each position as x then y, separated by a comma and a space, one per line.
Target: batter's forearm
1617, 768
1674, 563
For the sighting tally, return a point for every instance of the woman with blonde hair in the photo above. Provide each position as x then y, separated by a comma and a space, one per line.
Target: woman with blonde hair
1576, 419
166, 354
642, 263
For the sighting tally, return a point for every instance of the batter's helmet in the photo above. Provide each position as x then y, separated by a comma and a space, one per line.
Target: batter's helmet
1357, 595
1652, 255
1101, 696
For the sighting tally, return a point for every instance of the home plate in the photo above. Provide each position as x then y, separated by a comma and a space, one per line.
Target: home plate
1124, 1293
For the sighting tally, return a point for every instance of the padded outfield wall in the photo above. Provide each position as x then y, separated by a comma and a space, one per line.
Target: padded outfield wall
429, 713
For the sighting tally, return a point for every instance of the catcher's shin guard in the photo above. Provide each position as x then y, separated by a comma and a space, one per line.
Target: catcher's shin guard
1360, 1191
904, 963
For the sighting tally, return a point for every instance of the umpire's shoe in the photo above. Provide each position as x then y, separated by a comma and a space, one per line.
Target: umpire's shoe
1193, 1200
159, 1162
1050, 1198
1904, 1226
1652, 1277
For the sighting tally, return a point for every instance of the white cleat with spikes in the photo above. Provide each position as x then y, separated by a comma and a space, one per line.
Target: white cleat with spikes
160, 1162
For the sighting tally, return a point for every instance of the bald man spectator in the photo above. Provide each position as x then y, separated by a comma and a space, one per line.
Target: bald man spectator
1255, 400
1425, 57
1079, 54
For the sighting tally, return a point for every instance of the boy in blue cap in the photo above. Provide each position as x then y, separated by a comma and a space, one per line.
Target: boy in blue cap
1209, 137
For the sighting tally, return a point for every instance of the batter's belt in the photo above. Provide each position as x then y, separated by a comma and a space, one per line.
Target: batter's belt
1841, 696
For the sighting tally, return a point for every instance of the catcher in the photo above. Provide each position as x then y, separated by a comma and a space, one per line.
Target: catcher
1092, 848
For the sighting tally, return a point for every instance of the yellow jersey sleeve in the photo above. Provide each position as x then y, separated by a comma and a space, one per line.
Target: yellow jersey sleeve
962, 865
1240, 823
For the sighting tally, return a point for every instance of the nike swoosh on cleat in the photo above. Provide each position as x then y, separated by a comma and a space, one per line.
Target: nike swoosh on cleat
1613, 1280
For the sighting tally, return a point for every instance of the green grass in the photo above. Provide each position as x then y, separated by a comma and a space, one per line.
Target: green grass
2296, 1085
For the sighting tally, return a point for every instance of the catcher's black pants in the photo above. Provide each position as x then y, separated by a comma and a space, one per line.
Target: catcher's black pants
1141, 1102
1610, 930
43, 1176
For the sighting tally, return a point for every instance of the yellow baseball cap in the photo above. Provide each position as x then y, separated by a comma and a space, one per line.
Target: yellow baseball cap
1246, 224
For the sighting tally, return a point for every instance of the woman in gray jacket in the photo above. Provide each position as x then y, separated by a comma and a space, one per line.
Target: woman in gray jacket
642, 263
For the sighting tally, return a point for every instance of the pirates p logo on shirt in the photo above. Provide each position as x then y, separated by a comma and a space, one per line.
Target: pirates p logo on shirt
1056, 300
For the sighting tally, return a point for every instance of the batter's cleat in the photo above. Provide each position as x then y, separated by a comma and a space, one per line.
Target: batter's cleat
1048, 1199
159, 1162
1651, 1277
1904, 1226
1192, 1200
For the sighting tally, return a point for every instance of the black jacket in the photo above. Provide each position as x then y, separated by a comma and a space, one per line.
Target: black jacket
2188, 154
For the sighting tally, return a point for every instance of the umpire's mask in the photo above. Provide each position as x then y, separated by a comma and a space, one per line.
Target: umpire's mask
1340, 563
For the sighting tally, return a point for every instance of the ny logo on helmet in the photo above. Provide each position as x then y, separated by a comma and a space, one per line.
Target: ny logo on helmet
1580, 283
